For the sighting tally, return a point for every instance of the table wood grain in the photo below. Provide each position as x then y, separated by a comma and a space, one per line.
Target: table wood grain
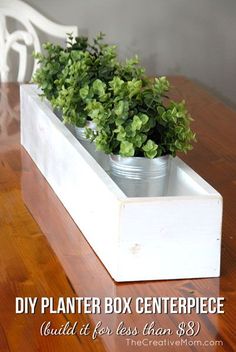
43, 253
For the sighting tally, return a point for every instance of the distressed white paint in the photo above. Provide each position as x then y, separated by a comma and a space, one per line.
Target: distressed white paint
172, 237
29, 18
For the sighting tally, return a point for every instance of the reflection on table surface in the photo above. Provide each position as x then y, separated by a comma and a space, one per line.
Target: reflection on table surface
9, 116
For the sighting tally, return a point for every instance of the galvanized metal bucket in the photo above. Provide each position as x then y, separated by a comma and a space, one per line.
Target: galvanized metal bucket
80, 132
139, 176
100, 157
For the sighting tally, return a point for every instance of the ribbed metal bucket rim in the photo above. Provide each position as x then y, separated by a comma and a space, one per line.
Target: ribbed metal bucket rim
139, 168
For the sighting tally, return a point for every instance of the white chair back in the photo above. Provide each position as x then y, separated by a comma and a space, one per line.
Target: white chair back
19, 40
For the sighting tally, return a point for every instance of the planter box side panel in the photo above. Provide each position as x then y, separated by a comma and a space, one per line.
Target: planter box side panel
91, 204
175, 239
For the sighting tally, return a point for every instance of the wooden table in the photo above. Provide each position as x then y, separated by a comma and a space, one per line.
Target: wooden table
43, 253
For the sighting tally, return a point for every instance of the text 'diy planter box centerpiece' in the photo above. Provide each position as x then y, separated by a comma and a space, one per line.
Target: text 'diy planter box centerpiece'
141, 238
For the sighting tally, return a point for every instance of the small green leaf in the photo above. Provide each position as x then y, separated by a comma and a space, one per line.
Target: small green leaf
84, 92
126, 149
99, 87
162, 85
150, 149
136, 123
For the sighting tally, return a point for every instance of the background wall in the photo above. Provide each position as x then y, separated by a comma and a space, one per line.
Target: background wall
196, 38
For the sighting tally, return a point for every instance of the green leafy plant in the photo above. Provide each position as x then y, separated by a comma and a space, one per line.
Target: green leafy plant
50, 67
133, 114
53, 61
81, 79
138, 119
71, 77
85, 77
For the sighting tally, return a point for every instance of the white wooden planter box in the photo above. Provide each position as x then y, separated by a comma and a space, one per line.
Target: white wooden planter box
172, 237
